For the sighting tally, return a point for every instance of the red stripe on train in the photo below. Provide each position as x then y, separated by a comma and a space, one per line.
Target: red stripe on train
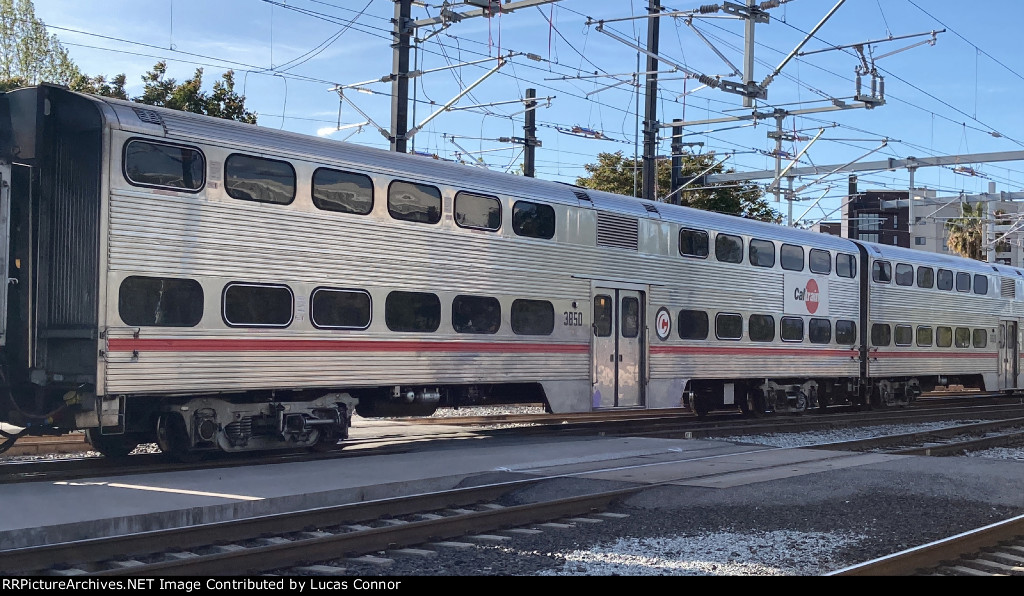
738, 351
312, 345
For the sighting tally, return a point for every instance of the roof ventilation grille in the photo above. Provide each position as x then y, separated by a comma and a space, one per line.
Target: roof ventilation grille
581, 195
149, 116
617, 231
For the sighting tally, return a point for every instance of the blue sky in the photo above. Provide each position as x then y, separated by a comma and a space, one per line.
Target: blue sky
957, 96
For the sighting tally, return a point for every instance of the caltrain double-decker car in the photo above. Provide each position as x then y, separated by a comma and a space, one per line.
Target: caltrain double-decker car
213, 285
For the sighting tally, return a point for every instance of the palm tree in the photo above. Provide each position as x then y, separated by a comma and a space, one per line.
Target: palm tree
965, 232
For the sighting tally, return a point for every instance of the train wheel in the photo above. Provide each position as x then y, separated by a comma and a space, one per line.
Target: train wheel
327, 441
172, 438
110, 445
753, 404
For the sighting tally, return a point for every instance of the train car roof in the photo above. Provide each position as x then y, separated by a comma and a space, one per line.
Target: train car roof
947, 261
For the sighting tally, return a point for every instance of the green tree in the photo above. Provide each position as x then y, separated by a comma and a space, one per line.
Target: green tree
965, 232
616, 173
189, 96
28, 54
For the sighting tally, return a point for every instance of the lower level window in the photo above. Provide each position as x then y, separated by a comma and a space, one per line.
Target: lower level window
160, 302
412, 311
533, 317
257, 305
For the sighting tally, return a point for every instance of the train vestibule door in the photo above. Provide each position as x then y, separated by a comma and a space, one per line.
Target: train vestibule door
5, 241
618, 347
1009, 355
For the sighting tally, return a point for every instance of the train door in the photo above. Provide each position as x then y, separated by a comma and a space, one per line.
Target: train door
1009, 355
619, 347
5, 234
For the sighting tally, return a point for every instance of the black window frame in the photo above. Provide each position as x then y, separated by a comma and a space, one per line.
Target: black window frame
425, 296
761, 331
940, 275
320, 202
814, 327
494, 325
237, 284
983, 334
905, 330
330, 289
698, 315
814, 261
923, 279
127, 303
516, 321
787, 327
880, 267
980, 277
846, 328
940, 341
792, 249
925, 342
851, 261
755, 254
476, 195
720, 250
881, 334
962, 337
696, 234
909, 279
517, 223
129, 180
603, 321
731, 316
251, 199
963, 282
421, 188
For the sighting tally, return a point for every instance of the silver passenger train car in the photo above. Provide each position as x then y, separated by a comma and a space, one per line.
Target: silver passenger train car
212, 285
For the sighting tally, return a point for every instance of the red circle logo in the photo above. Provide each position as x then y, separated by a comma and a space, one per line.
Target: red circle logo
811, 296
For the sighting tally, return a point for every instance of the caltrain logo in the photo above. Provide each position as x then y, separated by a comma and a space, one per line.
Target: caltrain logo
809, 295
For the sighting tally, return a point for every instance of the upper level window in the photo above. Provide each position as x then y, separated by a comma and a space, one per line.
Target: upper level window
980, 284
257, 305
252, 178
160, 302
761, 253
409, 201
476, 314
533, 220
693, 324
168, 166
963, 282
904, 274
729, 249
477, 211
944, 280
846, 265
340, 309
881, 272
820, 261
412, 311
533, 317
792, 257
925, 277
345, 192
693, 243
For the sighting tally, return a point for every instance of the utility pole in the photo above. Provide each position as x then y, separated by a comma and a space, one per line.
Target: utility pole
530, 133
400, 71
650, 165
677, 157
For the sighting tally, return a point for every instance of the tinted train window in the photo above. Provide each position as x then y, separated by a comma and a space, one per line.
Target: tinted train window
963, 282
819, 331
881, 272
160, 302
340, 309
980, 338
925, 277
412, 311
693, 243
168, 166
943, 337
761, 253
963, 337
533, 220
846, 333
903, 335
728, 326
792, 257
409, 201
602, 316
630, 317
904, 274
476, 314
924, 336
259, 179
944, 281
345, 192
820, 261
477, 211
846, 266
729, 249
761, 328
881, 334
255, 305
693, 324
533, 317
980, 284
792, 329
